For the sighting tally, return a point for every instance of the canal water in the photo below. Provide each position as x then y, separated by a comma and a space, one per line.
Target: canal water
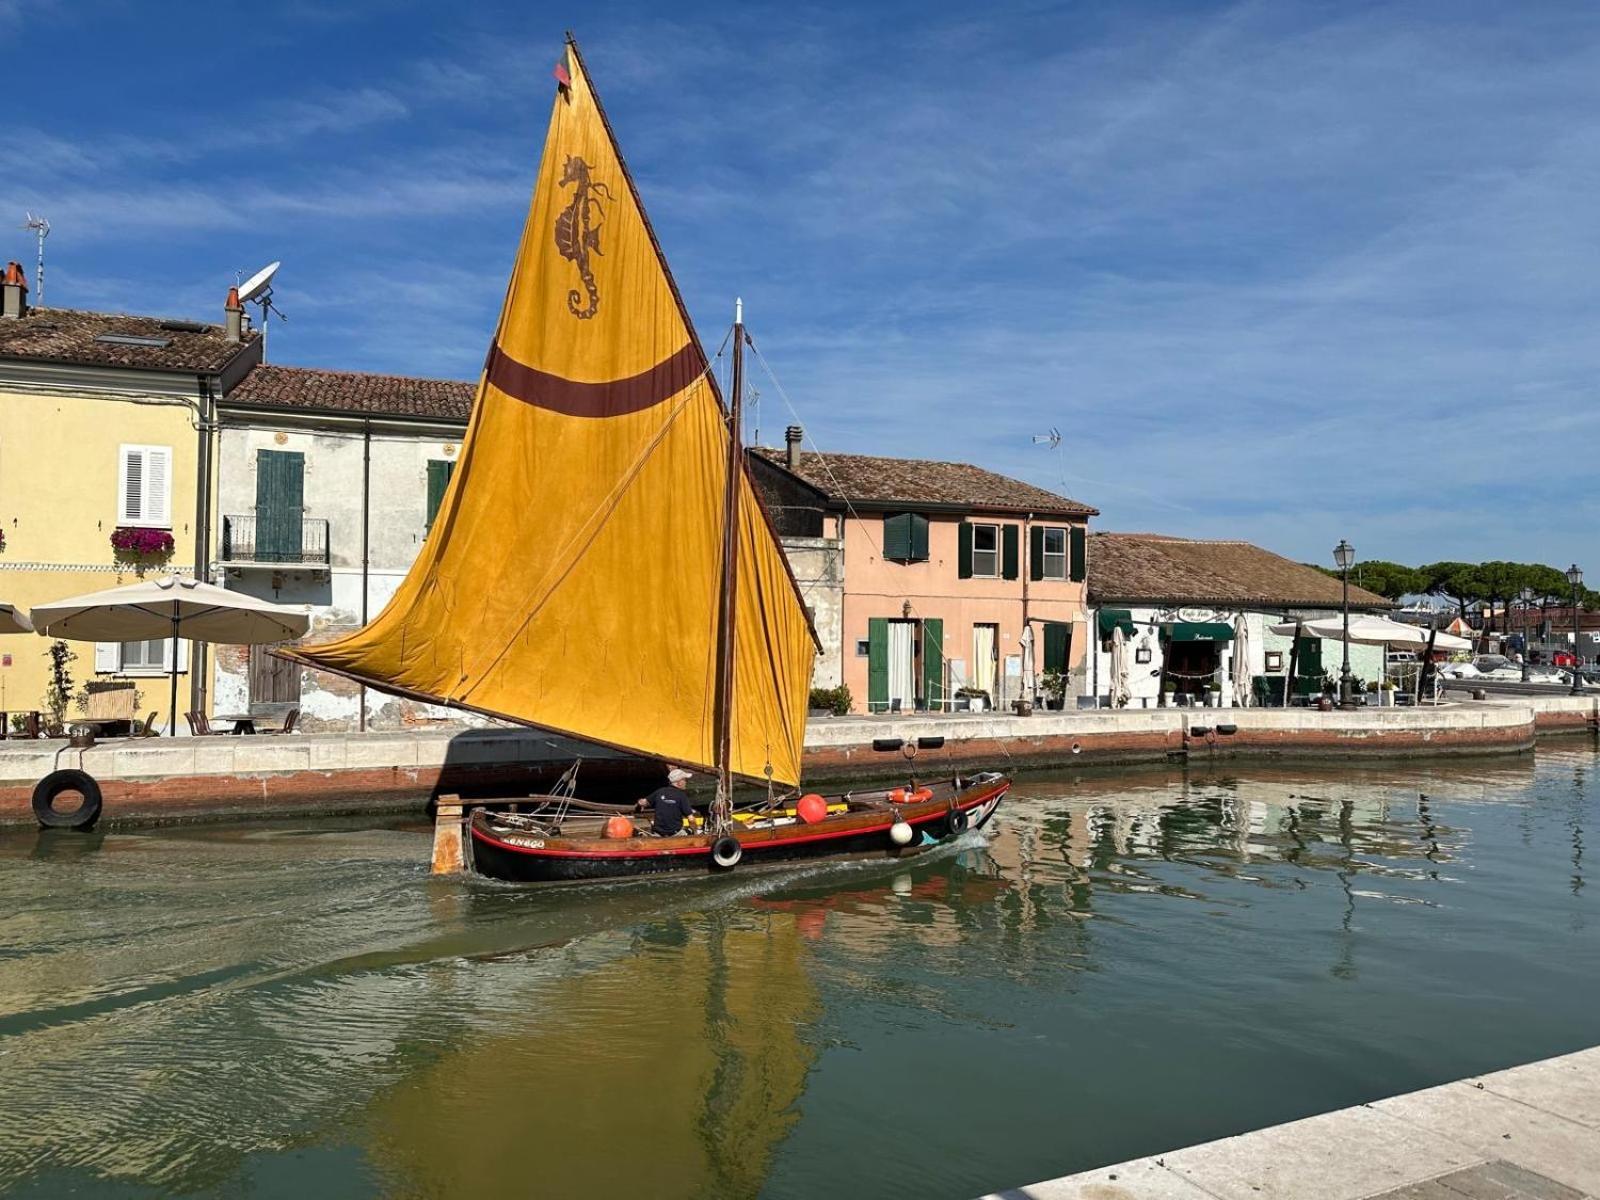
1122, 964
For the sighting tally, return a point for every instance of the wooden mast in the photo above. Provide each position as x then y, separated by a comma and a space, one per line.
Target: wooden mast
722, 809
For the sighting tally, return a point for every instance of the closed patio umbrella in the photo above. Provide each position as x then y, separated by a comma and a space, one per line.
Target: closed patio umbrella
1372, 631
1119, 668
1241, 663
173, 607
13, 619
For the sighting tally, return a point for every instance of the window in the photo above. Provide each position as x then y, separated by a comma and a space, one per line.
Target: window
439, 472
1053, 562
145, 656
905, 538
144, 487
863, 647
139, 658
986, 551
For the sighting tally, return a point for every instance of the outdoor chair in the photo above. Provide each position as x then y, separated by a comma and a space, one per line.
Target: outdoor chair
289, 721
200, 725
149, 728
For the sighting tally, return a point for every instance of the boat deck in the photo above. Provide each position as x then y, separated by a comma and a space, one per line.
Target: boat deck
1528, 1133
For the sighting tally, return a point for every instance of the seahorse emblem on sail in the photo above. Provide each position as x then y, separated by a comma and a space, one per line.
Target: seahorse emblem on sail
578, 232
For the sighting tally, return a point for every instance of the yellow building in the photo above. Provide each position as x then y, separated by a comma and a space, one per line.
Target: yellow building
106, 424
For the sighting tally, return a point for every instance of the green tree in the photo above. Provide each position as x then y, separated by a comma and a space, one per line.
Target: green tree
1457, 582
1391, 580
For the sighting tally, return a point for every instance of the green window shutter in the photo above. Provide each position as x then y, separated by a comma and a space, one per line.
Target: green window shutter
280, 504
1057, 646
877, 664
897, 537
1077, 569
919, 537
933, 661
964, 550
439, 472
1036, 552
1008, 542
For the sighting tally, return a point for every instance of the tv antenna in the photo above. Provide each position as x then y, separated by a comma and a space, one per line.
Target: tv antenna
1051, 439
257, 290
41, 229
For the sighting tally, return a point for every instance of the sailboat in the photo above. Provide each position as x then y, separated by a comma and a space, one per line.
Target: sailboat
602, 566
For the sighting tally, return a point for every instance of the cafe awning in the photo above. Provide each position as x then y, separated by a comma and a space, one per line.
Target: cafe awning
1117, 618
1202, 631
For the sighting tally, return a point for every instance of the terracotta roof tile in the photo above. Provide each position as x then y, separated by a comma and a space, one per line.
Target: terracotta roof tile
866, 479
354, 391
72, 336
1147, 568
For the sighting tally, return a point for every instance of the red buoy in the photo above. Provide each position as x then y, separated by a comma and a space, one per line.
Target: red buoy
897, 795
921, 794
619, 827
812, 808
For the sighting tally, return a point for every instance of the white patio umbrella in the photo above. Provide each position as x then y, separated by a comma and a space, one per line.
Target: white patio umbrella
1372, 631
1027, 661
1119, 668
1241, 663
13, 619
173, 607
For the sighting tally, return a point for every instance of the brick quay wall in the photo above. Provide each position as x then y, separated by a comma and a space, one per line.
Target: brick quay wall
180, 779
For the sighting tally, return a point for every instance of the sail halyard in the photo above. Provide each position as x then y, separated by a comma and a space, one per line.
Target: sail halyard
573, 577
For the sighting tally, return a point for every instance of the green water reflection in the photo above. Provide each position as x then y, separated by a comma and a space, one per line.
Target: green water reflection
1124, 964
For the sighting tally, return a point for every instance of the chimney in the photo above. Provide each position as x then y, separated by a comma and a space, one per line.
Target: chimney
15, 287
233, 314
791, 445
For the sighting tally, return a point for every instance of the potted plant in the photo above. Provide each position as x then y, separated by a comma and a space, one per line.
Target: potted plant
830, 702
1386, 691
1169, 693
1055, 689
1213, 694
136, 544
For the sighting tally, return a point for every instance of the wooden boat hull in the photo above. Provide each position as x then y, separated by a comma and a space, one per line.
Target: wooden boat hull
519, 857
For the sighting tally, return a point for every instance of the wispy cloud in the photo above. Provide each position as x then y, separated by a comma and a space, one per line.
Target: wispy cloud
1290, 272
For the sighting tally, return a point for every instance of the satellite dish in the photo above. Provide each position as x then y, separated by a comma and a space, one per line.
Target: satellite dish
259, 282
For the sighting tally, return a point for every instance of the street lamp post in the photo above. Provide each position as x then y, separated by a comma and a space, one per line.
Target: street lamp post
1344, 554
1527, 599
1575, 578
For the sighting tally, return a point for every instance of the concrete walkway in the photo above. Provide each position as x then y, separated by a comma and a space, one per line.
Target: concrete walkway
1530, 1132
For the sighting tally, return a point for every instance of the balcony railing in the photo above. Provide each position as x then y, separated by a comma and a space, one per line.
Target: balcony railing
275, 540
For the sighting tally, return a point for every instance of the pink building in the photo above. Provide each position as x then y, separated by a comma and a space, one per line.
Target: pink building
959, 585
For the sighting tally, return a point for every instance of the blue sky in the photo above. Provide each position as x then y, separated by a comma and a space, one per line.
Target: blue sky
1286, 272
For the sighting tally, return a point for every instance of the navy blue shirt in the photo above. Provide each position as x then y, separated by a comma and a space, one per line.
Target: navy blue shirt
672, 806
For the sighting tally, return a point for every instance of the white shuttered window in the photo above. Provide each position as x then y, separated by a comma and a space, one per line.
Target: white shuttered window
144, 487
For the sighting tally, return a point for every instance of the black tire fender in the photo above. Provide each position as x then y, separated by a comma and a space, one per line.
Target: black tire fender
71, 780
956, 822
726, 853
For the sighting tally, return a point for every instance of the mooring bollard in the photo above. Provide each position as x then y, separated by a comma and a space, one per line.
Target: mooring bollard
449, 856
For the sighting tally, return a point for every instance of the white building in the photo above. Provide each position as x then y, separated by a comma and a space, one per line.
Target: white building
1179, 603
327, 482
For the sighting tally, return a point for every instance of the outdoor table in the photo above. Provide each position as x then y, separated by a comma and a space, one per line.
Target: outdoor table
243, 723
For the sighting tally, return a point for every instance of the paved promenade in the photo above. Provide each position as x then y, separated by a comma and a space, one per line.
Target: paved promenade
1530, 1133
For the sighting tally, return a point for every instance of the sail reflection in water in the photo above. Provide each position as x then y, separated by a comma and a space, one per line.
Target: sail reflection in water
1128, 963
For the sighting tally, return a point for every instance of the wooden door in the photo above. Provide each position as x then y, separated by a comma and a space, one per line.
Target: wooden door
272, 680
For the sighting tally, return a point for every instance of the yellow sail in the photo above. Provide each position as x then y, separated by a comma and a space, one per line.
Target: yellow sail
572, 575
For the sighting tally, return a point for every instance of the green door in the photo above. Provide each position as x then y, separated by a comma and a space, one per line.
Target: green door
1057, 647
1308, 666
933, 662
877, 664
280, 504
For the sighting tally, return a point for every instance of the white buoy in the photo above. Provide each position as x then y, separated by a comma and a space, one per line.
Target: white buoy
901, 834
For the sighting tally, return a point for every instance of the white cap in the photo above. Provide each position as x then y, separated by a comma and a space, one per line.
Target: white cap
678, 775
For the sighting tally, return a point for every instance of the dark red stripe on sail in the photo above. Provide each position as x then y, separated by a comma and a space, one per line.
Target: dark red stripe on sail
614, 398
